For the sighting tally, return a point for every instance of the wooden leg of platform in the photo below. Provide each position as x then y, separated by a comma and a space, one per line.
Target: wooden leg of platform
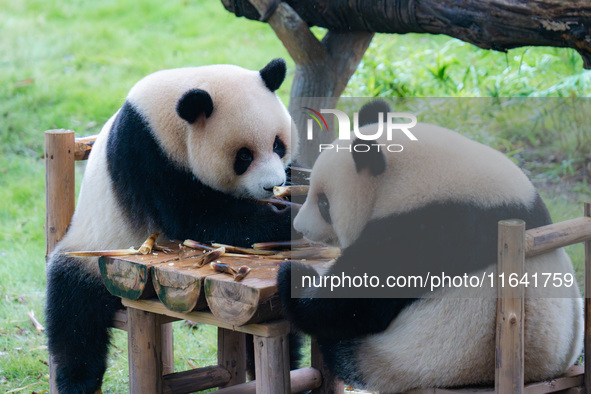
167, 349
232, 354
271, 357
144, 337
52, 376
330, 383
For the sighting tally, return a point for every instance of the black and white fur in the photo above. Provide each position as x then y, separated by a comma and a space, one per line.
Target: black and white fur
188, 155
435, 204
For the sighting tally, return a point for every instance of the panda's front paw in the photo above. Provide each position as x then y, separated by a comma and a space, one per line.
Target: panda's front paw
289, 283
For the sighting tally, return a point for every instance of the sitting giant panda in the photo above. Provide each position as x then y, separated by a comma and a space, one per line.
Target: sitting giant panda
436, 204
188, 155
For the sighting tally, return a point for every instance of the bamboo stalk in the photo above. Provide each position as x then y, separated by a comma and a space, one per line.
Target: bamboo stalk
35, 322
309, 253
287, 191
197, 245
103, 253
239, 250
282, 245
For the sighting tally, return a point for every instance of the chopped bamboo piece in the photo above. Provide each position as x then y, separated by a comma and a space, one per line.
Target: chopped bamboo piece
162, 249
286, 191
197, 245
148, 244
241, 273
223, 268
103, 253
35, 322
302, 169
209, 257
239, 250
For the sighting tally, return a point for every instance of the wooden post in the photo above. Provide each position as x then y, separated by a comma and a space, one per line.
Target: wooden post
271, 357
144, 342
59, 185
59, 198
167, 347
330, 383
232, 354
587, 340
509, 369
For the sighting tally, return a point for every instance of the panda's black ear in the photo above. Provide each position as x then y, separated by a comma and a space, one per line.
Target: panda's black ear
372, 159
369, 113
194, 103
273, 74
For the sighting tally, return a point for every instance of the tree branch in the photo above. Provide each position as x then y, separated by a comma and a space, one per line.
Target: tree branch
490, 24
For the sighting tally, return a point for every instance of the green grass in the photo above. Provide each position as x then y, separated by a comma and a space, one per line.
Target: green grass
69, 64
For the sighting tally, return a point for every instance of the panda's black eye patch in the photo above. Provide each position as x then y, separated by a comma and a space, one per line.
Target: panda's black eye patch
243, 159
324, 207
279, 147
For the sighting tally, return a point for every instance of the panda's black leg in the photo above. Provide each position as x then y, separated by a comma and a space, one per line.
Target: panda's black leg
79, 312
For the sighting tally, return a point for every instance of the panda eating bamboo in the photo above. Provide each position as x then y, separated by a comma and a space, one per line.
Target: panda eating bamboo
189, 155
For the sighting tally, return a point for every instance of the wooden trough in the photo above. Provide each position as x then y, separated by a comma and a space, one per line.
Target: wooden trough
183, 287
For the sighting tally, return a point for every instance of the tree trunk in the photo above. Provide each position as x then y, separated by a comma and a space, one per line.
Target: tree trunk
488, 24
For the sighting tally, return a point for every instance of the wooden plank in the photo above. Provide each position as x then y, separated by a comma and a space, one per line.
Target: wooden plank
120, 320
232, 355
587, 339
83, 146
59, 185
543, 239
195, 380
271, 357
330, 383
509, 369
302, 380
144, 342
267, 329
571, 379
130, 276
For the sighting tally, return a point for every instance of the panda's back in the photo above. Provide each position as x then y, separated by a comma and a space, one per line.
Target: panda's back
417, 350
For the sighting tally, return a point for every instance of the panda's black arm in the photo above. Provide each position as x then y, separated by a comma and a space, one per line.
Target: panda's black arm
228, 220
334, 317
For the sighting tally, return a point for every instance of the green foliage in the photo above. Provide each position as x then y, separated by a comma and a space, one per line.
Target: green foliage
414, 65
69, 64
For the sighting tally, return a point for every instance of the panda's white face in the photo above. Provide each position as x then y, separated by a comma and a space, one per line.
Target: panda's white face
441, 166
339, 203
223, 123
243, 153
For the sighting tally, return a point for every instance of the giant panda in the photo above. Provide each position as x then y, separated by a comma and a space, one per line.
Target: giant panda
190, 154
434, 204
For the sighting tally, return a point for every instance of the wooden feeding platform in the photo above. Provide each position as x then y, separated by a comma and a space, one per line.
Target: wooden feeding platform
182, 286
